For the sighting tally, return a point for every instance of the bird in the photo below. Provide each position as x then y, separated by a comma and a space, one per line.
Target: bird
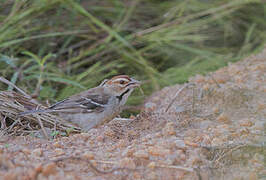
96, 106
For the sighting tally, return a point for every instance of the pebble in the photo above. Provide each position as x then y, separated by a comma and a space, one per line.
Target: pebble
49, 169
88, 155
57, 145
158, 151
217, 141
180, 144
127, 163
85, 136
152, 176
246, 123
59, 151
261, 106
109, 132
206, 87
149, 106
100, 138
37, 152
189, 143
10, 176
252, 176
215, 110
151, 165
223, 118
26, 151
169, 129
141, 154
198, 79
136, 176
121, 144
128, 152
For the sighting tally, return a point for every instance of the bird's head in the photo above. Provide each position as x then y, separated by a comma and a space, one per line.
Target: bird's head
120, 86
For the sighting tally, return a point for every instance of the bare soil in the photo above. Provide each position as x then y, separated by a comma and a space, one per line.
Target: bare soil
213, 129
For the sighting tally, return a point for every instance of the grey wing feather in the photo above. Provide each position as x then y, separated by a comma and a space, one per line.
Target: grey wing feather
84, 103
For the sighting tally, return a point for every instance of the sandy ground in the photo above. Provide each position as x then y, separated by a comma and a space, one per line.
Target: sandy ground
213, 129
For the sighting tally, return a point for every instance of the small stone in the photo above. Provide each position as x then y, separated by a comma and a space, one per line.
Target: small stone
37, 152
223, 118
158, 151
109, 132
215, 110
206, 87
149, 106
253, 176
26, 151
128, 152
77, 152
121, 144
34, 172
246, 123
180, 144
151, 165
88, 155
136, 175
57, 145
194, 160
38, 168
158, 134
189, 143
127, 163
259, 125
132, 133
141, 154
152, 176
221, 78
132, 117
235, 134
59, 151
206, 140
244, 131
217, 141
261, 106
182, 157
85, 136
169, 129
10, 176
49, 169
198, 79
100, 138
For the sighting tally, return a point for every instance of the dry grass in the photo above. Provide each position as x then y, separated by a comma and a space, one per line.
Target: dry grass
12, 103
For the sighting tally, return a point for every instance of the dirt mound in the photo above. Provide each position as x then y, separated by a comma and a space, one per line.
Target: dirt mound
213, 129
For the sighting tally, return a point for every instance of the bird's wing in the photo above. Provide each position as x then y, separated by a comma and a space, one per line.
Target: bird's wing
83, 102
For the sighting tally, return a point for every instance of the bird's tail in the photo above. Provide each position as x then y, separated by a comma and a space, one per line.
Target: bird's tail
35, 112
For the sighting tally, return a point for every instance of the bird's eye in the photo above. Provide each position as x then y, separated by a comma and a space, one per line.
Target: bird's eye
122, 82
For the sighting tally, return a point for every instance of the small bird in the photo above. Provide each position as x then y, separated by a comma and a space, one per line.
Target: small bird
95, 106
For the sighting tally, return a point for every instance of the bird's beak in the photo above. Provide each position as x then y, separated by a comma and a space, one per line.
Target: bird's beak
135, 82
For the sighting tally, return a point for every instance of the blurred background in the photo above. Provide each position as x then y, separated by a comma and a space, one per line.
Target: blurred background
53, 49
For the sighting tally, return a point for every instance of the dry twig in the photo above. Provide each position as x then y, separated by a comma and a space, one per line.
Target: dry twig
2, 79
177, 94
90, 163
42, 127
